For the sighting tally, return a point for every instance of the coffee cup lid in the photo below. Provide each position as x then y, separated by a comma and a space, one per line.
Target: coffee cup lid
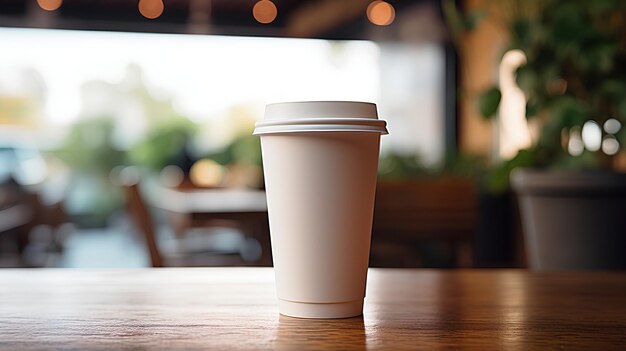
321, 116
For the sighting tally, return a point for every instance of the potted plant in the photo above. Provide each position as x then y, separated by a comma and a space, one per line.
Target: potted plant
571, 198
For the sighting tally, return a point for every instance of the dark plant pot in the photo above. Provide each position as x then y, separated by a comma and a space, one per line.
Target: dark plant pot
573, 220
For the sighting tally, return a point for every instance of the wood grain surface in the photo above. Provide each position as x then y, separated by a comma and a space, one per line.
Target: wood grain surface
235, 309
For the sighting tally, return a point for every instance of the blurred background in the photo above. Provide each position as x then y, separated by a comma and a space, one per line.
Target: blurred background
125, 125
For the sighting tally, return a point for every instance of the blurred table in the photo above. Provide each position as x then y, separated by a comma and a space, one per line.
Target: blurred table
247, 207
209, 201
235, 309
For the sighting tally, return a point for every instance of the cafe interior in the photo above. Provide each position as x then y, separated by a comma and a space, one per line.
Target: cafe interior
312, 175
126, 128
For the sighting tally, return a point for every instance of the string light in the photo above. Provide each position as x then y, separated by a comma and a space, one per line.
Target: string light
264, 11
49, 5
151, 9
381, 13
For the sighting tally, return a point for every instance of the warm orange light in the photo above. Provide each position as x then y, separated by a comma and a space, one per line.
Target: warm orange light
264, 11
206, 173
381, 13
151, 8
49, 5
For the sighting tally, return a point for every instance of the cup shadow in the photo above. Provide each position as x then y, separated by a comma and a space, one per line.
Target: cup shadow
320, 334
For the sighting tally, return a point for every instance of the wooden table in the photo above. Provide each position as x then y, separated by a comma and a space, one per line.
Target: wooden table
235, 309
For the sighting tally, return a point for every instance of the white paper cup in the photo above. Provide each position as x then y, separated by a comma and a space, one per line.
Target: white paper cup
320, 162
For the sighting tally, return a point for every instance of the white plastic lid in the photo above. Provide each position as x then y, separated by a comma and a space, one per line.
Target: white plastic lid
321, 116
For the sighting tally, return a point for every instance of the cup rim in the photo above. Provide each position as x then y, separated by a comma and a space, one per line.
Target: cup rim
320, 116
321, 125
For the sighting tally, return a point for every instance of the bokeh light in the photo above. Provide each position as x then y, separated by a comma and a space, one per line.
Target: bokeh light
129, 175
381, 13
151, 9
612, 126
592, 136
49, 5
610, 145
171, 176
575, 146
206, 173
264, 11
556, 86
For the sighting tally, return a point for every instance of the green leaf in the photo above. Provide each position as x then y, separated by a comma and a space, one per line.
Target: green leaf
524, 158
600, 7
160, 147
247, 149
489, 101
520, 32
573, 113
526, 77
614, 88
568, 24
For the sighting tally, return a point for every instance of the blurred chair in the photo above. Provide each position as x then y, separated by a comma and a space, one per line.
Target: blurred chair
16, 221
188, 250
408, 213
31, 233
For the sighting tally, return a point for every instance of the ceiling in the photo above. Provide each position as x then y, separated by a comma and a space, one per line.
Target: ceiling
329, 19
